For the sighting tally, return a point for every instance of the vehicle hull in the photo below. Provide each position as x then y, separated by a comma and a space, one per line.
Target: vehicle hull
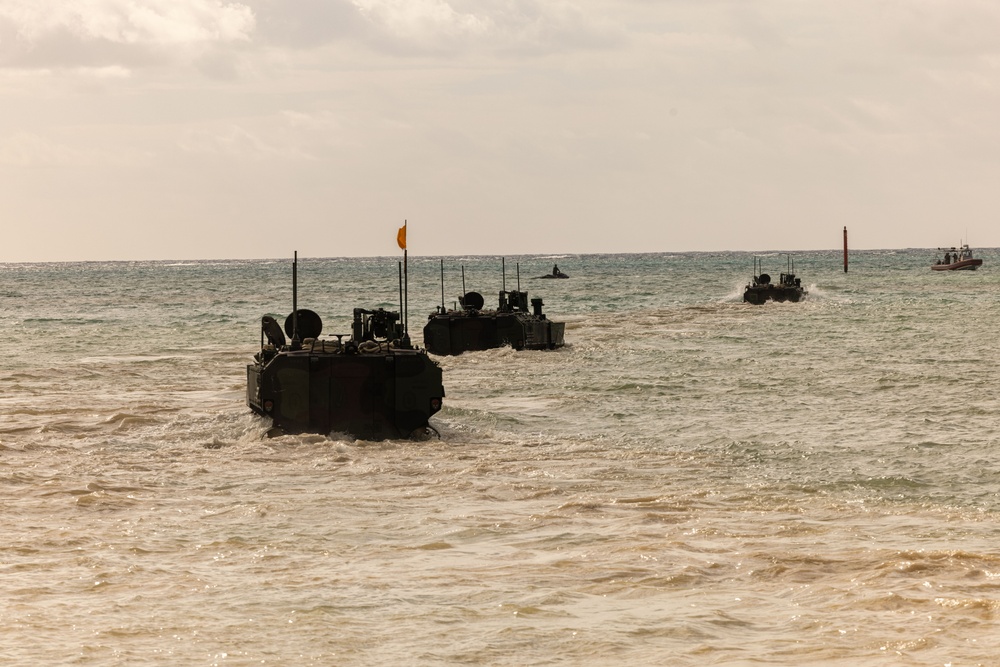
456, 332
758, 294
372, 396
963, 265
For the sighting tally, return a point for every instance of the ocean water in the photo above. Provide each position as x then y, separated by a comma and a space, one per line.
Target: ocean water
690, 481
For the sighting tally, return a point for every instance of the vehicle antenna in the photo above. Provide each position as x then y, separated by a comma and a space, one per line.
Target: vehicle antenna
518, 276
463, 281
400, 266
296, 342
503, 272
442, 285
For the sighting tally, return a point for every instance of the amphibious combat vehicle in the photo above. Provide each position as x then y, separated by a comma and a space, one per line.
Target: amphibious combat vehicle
761, 289
374, 385
472, 327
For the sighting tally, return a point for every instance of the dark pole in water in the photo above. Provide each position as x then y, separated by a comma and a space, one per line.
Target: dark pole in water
845, 249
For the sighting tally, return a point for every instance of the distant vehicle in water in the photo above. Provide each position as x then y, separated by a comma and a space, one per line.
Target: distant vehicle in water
761, 289
472, 327
374, 385
956, 259
556, 273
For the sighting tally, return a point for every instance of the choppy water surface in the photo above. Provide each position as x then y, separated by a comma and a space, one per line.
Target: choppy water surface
690, 481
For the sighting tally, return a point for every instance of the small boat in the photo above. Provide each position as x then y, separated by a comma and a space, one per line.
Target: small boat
761, 289
556, 273
474, 327
956, 259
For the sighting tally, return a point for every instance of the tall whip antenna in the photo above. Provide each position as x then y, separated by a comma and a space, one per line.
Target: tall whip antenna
296, 341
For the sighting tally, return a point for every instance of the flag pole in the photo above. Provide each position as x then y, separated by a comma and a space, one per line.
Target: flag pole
401, 241
406, 292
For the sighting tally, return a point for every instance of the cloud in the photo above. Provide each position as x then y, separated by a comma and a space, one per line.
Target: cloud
511, 26
290, 136
306, 24
154, 21
66, 32
435, 27
936, 28
421, 20
28, 149
25, 149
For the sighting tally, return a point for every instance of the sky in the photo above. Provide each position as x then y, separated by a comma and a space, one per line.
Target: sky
210, 129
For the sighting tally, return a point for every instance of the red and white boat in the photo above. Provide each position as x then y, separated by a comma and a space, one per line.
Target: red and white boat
956, 259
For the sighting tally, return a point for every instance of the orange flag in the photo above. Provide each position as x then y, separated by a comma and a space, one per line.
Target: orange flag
401, 237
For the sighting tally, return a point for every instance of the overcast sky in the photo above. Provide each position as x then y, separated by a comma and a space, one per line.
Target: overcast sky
187, 129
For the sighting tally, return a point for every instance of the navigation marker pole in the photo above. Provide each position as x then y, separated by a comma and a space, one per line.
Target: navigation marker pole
845, 248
